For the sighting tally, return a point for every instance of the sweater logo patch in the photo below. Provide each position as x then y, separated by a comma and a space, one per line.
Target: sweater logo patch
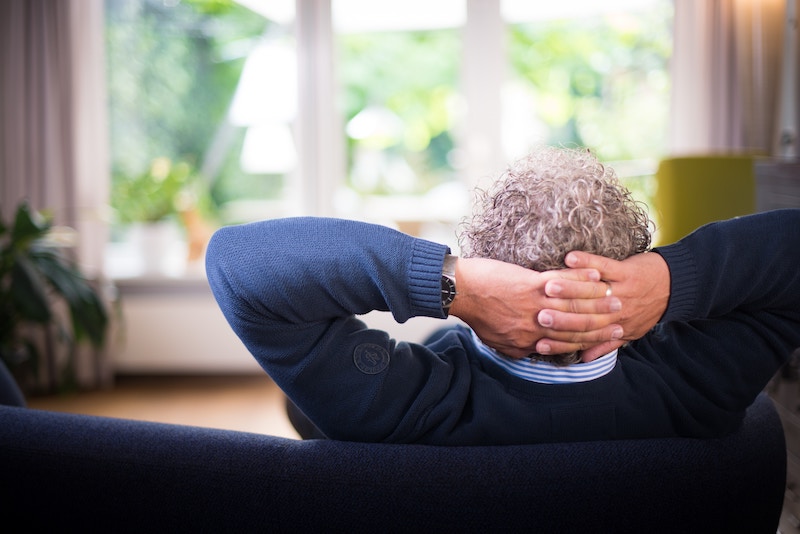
371, 359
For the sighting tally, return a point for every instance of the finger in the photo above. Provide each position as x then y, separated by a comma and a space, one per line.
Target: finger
584, 317
594, 345
609, 269
575, 289
591, 350
586, 339
592, 275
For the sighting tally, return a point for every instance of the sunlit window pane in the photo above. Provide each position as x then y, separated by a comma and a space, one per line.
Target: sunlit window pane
591, 74
412, 94
398, 66
201, 105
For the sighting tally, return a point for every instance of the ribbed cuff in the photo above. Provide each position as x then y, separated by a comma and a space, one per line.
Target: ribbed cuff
683, 281
424, 279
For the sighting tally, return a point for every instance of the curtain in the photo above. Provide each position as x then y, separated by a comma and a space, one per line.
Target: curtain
37, 90
53, 138
726, 75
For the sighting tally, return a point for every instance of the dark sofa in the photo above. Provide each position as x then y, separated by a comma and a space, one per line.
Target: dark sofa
94, 474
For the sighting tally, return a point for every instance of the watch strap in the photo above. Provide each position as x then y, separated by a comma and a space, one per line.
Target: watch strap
448, 281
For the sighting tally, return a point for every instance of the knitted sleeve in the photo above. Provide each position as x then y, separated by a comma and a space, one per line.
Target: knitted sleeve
734, 264
732, 319
292, 289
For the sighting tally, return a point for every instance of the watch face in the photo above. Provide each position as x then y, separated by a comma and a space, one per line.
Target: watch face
448, 291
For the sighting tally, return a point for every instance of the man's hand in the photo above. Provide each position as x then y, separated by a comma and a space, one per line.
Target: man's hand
502, 302
641, 282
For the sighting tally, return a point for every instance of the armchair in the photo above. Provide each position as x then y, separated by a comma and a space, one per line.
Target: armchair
695, 190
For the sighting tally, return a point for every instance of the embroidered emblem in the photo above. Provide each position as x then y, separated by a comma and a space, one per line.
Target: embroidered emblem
371, 359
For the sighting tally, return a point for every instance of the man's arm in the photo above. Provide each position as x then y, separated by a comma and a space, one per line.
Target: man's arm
690, 279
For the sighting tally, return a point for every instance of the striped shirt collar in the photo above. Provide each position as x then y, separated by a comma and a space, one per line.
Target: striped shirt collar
547, 373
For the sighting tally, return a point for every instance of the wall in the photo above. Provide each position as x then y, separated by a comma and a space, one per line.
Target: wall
175, 326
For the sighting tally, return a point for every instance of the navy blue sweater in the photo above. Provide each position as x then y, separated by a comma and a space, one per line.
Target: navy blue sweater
291, 289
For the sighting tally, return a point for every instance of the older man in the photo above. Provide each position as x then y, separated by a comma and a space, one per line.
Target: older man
725, 300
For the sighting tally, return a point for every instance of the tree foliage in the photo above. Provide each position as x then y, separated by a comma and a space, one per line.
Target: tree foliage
600, 82
173, 68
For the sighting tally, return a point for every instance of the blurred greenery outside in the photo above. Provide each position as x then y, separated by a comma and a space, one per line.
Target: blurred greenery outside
600, 82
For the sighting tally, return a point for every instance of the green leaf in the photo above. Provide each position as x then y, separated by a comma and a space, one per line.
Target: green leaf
90, 319
28, 292
87, 312
59, 274
211, 7
28, 225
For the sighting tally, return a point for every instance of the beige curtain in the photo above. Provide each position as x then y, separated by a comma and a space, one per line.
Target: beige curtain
726, 75
53, 135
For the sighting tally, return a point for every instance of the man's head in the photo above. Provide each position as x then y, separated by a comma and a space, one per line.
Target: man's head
549, 203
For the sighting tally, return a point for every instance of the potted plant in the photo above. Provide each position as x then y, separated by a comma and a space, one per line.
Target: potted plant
35, 278
153, 195
149, 205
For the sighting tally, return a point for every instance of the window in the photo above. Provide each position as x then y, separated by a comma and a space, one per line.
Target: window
398, 70
387, 113
201, 98
592, 74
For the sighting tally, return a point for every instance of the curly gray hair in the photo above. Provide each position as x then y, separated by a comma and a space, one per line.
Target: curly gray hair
549, 203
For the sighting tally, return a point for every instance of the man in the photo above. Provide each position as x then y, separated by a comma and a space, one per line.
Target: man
725, 299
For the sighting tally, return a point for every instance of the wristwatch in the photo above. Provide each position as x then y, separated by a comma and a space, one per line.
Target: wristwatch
448, 281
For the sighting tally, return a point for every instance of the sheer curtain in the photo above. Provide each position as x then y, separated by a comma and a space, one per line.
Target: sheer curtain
53, 135
725, 75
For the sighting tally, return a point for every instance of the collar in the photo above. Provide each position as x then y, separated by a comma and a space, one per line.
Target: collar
547, 373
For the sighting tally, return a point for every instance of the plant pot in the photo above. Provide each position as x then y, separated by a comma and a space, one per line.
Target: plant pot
160, 248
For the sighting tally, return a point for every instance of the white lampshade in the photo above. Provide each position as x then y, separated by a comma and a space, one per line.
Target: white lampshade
268, 149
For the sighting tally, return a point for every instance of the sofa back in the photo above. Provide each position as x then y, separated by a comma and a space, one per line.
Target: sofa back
103, 474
